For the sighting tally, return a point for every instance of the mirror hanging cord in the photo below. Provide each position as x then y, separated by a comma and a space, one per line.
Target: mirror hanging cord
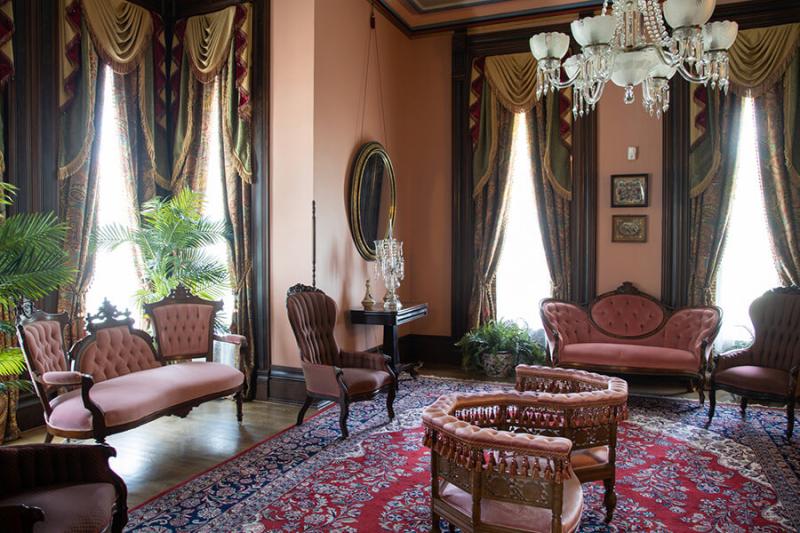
373, 37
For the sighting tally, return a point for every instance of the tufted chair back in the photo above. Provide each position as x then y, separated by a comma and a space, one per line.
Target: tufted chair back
776, 319
184, 325
627, 315
312, 315
113, 348
43, 344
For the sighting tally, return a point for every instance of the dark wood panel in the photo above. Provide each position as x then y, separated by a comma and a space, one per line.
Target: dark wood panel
436, 349
286, 384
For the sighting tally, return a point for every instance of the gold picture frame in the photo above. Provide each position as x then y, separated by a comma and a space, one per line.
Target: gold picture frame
630, 190
629, 228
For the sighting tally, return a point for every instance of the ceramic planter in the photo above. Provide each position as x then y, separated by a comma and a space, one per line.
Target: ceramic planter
498, 365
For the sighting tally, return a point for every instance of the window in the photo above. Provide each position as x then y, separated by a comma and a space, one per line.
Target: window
523, 278
214, 194
747, 268
115, 276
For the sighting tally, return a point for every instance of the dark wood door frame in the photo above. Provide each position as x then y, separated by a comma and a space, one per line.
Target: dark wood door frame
676, 141
466, 48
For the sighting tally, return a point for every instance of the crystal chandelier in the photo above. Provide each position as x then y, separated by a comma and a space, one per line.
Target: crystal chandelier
631, 46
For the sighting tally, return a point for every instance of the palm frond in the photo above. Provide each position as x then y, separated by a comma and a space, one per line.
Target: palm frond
11, 362
15, 384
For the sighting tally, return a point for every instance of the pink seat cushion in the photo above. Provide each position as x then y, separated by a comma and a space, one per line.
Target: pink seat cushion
598, 354
755, 378
361, 380
131, 397
70, 508
517, 516
589, 457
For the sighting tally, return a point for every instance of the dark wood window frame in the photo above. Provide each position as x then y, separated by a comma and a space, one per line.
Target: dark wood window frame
467, 47
675, 247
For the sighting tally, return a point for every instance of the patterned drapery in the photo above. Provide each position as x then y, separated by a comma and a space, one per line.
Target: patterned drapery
776, 114
6, 70
710, 191
500, 87
130, 40
211, 60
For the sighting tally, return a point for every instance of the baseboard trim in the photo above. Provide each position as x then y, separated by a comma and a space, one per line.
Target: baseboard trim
285, 384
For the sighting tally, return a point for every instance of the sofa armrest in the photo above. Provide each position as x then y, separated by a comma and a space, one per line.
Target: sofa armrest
325, 380
369, 360
20, 517
62, 379
693, 329
564, 323
232, 338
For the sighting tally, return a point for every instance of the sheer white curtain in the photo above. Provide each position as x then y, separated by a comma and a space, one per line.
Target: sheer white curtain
747, 268
523, 278
115, 276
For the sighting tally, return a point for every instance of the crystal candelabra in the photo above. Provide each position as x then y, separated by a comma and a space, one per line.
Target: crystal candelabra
629, 44
391, 266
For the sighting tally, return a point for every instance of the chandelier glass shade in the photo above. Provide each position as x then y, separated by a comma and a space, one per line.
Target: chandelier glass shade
629, 44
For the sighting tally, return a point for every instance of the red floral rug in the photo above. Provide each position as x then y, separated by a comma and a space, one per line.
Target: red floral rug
672, 474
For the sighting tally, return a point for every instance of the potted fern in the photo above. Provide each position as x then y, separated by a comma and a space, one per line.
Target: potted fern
173, 238
498, 346
33, 263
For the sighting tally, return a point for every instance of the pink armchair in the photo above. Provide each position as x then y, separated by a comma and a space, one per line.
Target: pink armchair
627, 331
63, 487
330, 373
768, 370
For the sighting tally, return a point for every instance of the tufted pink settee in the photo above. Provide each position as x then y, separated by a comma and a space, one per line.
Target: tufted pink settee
115, 380
628, 331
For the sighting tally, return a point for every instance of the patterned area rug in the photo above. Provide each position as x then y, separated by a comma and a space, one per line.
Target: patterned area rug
672, 474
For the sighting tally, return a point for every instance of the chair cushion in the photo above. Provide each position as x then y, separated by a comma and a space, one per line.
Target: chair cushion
589, 457
361, 380
518, 516
598, 354
131, 397
183, 328
70, 508
755, 378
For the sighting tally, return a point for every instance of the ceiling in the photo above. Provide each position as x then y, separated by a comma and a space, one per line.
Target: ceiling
424, 16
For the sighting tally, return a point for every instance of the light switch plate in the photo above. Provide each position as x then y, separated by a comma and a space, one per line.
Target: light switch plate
633, 153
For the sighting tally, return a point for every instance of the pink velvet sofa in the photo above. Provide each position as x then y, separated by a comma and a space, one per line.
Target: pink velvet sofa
115, 380
629, 332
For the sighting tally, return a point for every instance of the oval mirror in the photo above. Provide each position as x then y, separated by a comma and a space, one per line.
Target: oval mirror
373, 198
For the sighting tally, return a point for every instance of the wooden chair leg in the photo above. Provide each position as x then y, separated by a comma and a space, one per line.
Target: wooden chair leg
610, 499
48, 438
743, 407
344, 409
701, 390
712, 403
238, 397
390, 401
435, 519
120, 519
790, 416
303, 410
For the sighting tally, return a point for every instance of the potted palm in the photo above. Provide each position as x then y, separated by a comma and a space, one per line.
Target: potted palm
173, 238
33, 263
498, 346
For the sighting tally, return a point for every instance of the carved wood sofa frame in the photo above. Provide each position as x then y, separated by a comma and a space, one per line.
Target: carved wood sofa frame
68, 379
594, 428
697, 377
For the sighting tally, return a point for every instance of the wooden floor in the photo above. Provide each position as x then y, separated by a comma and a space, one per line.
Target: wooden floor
163, 453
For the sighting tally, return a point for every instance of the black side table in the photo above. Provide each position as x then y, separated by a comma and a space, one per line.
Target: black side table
390, 320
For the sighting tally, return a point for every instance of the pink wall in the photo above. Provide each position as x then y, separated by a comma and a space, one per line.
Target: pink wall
620, 126
318, 57
291, 163
416, 93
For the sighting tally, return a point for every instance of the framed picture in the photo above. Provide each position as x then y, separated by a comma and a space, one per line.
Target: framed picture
629, 228
629, 190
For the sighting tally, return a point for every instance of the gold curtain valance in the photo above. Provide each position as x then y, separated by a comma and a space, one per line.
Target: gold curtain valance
121, 31
759, 57
207, 42
512, 78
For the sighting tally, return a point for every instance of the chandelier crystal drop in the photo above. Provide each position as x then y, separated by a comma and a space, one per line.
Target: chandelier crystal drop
629, 44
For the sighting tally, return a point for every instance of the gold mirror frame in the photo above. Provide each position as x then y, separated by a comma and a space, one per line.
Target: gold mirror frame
365, 153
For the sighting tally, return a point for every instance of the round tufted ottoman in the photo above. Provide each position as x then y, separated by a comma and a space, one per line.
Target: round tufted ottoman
486, 476
590, 406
